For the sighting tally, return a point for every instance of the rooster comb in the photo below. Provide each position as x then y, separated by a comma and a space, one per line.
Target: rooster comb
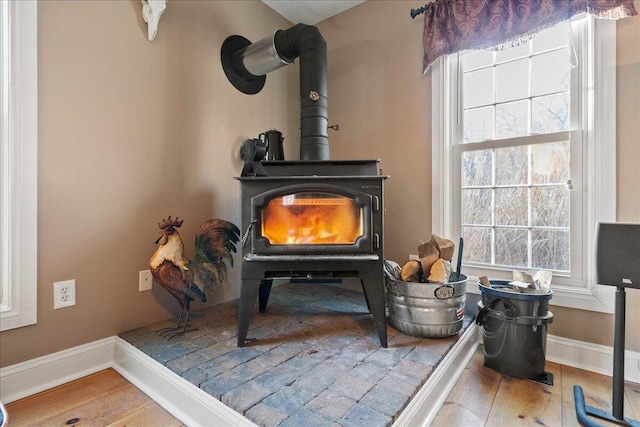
170, 223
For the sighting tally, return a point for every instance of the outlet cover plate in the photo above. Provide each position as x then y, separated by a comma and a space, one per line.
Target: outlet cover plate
145, 280
64, 294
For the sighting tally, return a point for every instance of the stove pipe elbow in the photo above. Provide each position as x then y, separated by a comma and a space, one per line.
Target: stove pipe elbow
246, 65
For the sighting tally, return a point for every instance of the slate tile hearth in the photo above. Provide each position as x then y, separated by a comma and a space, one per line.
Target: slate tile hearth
315, 359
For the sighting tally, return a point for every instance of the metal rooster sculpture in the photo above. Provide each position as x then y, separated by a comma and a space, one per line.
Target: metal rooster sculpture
190, 280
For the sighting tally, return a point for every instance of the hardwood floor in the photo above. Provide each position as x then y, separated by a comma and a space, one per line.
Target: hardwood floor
102, 399
484, 397
481, 397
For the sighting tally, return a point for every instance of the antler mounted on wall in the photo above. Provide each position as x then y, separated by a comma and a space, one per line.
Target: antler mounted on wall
151, 12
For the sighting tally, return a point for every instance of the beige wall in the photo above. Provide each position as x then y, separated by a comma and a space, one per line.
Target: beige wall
383, 105
382, 102
131, 131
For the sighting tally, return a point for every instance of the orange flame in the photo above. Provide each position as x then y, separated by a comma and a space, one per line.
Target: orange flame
291, 220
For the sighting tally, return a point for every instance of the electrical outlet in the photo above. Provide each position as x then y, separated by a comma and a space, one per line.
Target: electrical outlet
145, 280
64, 294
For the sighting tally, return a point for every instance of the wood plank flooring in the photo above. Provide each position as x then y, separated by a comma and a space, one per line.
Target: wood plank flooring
102, 399
484, 397
481, 397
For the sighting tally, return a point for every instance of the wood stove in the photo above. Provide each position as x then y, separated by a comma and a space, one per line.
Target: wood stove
317, 221
314, 219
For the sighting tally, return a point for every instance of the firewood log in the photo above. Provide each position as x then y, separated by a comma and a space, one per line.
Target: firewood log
445, 246
440, 271
411, 271
428, 254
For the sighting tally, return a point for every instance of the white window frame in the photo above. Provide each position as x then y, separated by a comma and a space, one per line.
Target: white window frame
18, 157
599, 176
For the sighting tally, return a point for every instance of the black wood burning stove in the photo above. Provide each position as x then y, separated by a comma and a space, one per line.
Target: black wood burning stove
315, 221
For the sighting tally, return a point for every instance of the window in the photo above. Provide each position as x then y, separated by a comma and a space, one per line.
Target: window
18, 148
522, 169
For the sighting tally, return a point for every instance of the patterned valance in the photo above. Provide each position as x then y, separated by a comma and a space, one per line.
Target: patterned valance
455, 25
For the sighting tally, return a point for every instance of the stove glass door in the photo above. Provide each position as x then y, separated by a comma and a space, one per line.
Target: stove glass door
312, 218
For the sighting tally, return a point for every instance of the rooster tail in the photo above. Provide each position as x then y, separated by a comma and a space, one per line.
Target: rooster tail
215, 242
204, 279
214, 225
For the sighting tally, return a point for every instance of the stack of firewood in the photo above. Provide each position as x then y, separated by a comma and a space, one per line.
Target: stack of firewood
434, 264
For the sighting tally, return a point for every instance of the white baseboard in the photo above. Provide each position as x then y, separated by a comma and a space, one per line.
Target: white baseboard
590, 357
179, 397
194, 407
40, 374
424, 407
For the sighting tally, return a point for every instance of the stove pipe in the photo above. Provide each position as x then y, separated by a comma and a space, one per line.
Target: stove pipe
246, 65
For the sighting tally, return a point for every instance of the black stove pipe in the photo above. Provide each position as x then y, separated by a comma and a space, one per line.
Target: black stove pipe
307, 43
246, 65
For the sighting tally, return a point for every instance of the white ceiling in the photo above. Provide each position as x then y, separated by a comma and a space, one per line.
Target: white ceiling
310, 12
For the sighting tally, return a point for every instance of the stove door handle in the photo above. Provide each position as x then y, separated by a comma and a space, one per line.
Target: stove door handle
245, 236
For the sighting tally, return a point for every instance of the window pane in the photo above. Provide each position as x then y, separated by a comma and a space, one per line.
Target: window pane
477, 244
511, 247
478, 88
513, 52
550, 163
511, 165
511, 206
478, 124
523, 198
551, 250
550, 206
476, 168
512, 80
550, 113
476, 59
476, 207
512, 119
550, 72
552, 38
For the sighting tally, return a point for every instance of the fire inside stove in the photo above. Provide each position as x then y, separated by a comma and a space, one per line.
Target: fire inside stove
312, 218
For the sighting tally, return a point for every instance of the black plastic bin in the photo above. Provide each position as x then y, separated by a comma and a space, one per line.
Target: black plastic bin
514, 330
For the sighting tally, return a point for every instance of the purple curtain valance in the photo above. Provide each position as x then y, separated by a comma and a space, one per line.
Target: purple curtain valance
455, 25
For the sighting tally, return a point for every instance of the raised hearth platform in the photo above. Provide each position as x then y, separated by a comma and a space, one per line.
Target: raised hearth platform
315, 361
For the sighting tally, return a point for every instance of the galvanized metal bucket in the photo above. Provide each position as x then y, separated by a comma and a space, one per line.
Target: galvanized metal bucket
432, 310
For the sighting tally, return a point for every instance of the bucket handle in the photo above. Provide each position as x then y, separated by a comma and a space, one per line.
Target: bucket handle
509, 313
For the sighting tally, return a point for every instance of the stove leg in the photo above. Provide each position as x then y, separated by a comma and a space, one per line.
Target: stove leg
263, 295
248, 296
365, 297
374, 294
